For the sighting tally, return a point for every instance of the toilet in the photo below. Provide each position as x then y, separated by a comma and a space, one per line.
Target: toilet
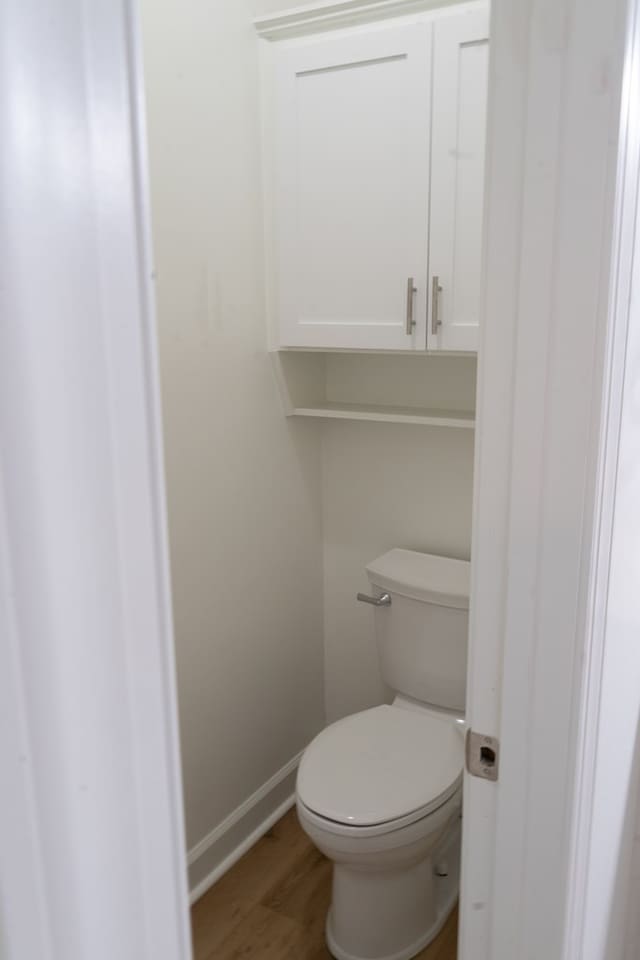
380, 792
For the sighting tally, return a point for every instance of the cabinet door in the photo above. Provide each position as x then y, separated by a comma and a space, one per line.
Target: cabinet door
461, 53
352, 189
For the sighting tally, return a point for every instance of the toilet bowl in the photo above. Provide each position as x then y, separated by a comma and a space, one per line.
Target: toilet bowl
380, 792
390, 822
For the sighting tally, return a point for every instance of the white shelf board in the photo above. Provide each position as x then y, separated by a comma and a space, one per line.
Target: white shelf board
387, 414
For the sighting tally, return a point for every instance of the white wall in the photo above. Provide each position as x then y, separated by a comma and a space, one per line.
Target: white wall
262, 8
385, 485
244, 484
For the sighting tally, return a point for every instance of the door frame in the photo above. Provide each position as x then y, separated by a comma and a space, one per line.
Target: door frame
91, 830
550, 370
605, 830
560, 169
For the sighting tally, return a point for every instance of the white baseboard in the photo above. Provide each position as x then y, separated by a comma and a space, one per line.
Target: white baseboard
216, 853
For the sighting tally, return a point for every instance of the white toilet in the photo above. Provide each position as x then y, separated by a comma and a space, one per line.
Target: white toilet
380, 792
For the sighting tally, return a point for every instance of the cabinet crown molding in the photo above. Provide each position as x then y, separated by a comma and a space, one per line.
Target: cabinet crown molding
328, 14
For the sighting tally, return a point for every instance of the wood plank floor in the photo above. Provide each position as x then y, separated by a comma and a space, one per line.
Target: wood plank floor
272, 905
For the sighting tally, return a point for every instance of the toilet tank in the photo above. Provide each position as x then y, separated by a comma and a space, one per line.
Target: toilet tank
422, 635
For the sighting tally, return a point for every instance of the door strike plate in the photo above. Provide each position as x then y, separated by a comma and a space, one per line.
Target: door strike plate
482, 755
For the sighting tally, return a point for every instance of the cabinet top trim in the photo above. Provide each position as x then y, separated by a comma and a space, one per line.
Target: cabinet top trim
328, 14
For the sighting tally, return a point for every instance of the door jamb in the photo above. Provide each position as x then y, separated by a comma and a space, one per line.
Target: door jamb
555, 81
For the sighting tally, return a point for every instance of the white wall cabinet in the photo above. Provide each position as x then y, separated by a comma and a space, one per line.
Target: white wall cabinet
458, 125
352, 189
377, 174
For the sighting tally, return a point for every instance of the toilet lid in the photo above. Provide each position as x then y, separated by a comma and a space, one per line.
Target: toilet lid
380, 765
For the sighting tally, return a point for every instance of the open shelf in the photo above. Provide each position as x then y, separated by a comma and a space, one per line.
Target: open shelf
387, 414
429, 391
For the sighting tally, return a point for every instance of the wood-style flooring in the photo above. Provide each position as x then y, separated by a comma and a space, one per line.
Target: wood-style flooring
272, 905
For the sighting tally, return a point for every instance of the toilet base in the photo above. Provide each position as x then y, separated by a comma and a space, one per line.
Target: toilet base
413, 900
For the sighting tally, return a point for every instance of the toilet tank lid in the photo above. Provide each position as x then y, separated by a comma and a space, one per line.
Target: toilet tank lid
422, 576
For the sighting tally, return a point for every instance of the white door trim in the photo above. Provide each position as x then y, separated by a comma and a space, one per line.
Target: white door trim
93, 853
555, 80
608, 728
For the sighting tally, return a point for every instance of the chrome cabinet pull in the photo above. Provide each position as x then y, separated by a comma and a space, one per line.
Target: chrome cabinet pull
383, 601
436, 290
411, 289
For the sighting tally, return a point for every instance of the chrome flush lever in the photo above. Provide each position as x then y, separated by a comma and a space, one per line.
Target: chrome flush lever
383, 601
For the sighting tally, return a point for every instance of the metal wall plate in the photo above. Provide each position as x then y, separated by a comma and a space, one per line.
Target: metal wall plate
483, 754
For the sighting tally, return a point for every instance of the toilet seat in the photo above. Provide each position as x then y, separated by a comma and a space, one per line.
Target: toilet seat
382, 768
